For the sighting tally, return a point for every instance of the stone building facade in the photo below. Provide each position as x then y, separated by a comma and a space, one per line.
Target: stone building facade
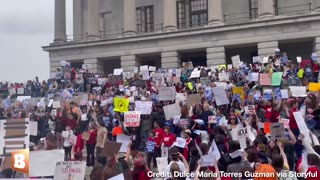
109, 34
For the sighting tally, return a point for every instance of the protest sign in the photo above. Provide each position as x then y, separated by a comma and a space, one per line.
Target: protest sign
314, 87
180, 142
207, 160
132, 119
145, 107
276, 130
284, 93
266, 127
56, 104
241, 135
20, 90
236, 61
298, 91
195, 74
53, 112
172, 110
265, 79
276, 78
251, 109
117, 177
224, 76
152, 68
117, 72
121, 104
183, 122
144, 68
164, 151
256, 59
194, 99
277, 94
71, 170
238, 90
167, 93
111, 148
40, 166
125, 140
220, 96
22, 98
145, 75
299, 59
14, 135
302, 125
33, 128
255, 77
267, 94
162, 163
150, 146
285, 122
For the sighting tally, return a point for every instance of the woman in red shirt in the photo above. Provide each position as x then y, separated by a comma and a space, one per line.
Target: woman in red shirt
268, 109
314, 167
168, 138
91, 144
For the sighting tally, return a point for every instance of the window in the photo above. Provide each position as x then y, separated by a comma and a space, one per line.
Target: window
144, 16
181, 14
253, 8
198, 12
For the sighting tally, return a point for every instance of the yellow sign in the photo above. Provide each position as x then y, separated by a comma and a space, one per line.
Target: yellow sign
315, 87
121, 104
190, 86
222, 66
238, 90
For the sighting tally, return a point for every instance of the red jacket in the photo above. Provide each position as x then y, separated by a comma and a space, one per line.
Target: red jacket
79, 143
159, 135
314, 173
93, 137
169, 139
292, 122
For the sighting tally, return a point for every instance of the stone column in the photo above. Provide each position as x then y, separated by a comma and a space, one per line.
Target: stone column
215, 13
170, 15
216, 56
315, 5
128, 63
60, 21
77, 20
265, 9
316, 47
95, 65
93, 19
170, 60
130, 25
267, 48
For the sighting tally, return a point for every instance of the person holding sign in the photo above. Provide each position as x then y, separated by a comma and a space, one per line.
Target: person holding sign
67, 145
91, 144
168, 138
150, 147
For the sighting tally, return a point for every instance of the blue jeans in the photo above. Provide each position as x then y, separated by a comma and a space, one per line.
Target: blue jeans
298, 82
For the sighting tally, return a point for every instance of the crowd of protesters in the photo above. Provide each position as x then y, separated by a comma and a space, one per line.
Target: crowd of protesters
287, 155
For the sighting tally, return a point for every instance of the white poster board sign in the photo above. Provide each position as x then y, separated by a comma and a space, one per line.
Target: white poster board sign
71, 170
302, 125
167, 93
132, 119
117, 72
145, 107
40, 166
125, 140
220, 96
33, 128
171, 111
298, 91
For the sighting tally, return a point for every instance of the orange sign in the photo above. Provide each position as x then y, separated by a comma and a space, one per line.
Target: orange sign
20, 161
267, 127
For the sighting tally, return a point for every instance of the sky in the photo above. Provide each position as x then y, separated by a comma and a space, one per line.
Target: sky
26, 26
